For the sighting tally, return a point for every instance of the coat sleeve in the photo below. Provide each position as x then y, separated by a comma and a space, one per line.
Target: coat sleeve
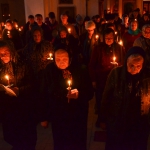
108, 95
93, 63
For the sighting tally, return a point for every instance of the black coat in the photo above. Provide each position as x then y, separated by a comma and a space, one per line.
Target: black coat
125, 108
69, 120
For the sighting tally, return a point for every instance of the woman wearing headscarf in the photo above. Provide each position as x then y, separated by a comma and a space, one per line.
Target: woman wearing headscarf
125, 106
67, 89
133, 33
144, 42
16, 103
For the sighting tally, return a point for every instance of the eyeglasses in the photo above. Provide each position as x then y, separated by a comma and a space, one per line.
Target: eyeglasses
109, 38
90, 30
4, 55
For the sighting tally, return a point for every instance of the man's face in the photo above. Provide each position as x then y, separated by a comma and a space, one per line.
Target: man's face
61, 59
64, 19
52, 20
126, 20
39, 20
134, 65
63, 34
134, 26
109, 38
31, 20
145, 18
90, 32
37, 36
5, 54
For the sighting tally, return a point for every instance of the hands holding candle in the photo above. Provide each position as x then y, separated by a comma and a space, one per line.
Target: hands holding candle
8, 34
72, 94
114, 61
50, 56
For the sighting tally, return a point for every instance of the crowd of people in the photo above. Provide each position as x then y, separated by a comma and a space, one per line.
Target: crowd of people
49, 71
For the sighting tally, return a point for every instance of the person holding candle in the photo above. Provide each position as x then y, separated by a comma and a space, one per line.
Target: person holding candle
104, 58
125, 106
67, 89
12, 34
88, 41
72, 43
16, 112
65, 23
133, 33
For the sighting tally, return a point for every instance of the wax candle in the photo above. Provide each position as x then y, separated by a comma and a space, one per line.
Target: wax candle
69, 30
7, 77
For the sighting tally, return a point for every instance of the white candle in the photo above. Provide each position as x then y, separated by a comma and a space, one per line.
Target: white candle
69, 83
69, 30
114, 59
7, 77
96, 37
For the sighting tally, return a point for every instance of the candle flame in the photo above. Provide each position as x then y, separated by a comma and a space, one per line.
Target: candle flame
69, 82
97, 36
19, 29
69, 30
115, 32
7, 77
50, 55
8, 32
114, 58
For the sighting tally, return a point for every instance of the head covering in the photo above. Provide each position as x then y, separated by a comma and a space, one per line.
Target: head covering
90, 25
51, 15
79, 18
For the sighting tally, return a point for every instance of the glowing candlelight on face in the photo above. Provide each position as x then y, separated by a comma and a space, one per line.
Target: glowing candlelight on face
7, 77
69, 30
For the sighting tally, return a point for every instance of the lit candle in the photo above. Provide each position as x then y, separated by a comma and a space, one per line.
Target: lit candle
69, 30
135, 19
7, 77
8, 32
96, 37
19, 29
121, 42
50, 56
114, 61
16, 26
69, 88
115, 32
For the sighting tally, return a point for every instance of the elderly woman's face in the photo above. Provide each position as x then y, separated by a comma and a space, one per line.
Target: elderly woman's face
8, 26
61, 59
5, 55
146, 33
134, 65
134, 26
37, 36
109, 38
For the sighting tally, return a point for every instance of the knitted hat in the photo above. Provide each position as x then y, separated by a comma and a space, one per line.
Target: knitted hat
90, 25
79, 18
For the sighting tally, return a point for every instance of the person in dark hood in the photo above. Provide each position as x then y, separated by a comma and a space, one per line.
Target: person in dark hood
68, 106
126, 103
16, 104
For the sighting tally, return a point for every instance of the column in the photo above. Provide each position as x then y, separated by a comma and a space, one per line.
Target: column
120, 9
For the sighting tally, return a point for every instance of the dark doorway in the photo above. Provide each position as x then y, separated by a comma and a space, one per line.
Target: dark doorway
5, 12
